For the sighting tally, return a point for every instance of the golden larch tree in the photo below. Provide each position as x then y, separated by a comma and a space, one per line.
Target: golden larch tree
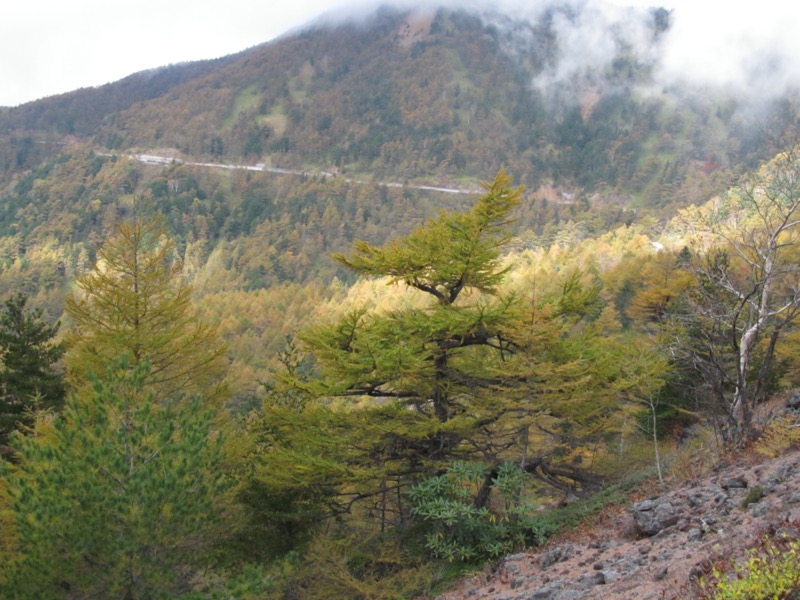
135, 303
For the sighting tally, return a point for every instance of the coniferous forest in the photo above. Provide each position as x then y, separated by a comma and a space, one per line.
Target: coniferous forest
349, 313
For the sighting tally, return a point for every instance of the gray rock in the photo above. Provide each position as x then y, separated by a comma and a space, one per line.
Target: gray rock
584, 582
695, 535
759, 509
792, 499
688, 434
645, 505
653, 516
793, 401
695, 500
515, 557
661, 573
732, 483
556, 555
782, 473
609, 575
545, 593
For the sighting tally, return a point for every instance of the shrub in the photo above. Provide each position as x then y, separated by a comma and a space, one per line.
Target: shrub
460, 529
772, 572
755, 494
356, 565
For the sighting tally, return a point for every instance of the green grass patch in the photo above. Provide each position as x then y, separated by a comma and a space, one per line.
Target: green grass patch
276, 120
246, 100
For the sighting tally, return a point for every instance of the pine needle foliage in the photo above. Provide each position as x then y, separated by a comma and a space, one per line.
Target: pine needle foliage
134, 303
8, 531
29, 379
360, 567
431, 359
469, 373
453, 253
113, 500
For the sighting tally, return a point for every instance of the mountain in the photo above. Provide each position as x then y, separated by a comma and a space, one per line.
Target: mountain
347, 131
628, 314
413, 94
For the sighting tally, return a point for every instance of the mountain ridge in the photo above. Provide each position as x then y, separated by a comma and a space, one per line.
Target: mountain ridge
395, 350
438, 86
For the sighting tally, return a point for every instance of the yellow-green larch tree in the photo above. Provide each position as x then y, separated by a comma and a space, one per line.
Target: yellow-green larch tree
135, 303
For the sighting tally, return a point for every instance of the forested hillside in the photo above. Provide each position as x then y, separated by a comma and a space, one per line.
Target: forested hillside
435, 97
414, 95
380, 295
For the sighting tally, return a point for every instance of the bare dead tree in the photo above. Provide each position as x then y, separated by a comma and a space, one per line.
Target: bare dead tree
748, 285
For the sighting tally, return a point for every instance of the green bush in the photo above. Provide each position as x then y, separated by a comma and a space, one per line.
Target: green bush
460, 529
755, 494
773, 573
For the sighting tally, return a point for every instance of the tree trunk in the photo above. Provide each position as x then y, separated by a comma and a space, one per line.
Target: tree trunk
485, 493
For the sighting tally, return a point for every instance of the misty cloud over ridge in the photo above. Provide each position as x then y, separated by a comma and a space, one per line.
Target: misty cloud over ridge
750, 49
51, 46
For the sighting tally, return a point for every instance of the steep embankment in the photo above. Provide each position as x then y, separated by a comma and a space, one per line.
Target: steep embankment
653, 548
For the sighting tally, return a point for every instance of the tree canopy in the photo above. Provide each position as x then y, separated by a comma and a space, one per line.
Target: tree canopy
29, 379
456, 368
745, 296
113, 497
135, 303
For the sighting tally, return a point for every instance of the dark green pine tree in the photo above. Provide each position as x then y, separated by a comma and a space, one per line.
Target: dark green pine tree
116, 498
28, 379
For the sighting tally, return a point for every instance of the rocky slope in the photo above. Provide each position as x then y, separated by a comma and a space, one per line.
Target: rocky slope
653, 548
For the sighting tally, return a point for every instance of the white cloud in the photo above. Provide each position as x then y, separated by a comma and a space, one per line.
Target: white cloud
53, 46
751, 47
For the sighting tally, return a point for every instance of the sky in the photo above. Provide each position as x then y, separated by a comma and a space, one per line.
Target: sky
53, 46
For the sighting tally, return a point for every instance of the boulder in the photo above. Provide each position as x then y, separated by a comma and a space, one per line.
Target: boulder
653, 516
793, 402
733, 483
556, 555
